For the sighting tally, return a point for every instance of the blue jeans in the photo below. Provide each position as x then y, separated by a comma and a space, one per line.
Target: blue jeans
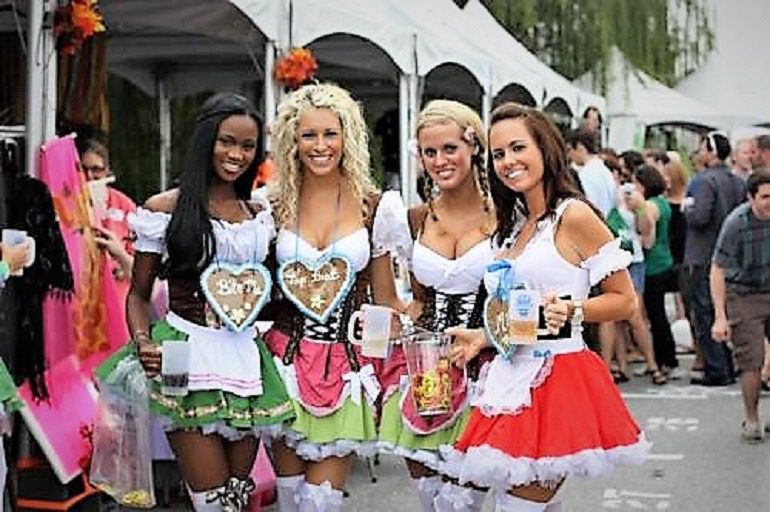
717, 358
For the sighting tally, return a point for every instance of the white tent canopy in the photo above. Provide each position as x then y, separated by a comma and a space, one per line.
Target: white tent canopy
636, 100
525, 68
736, 76
204, 45
178, 47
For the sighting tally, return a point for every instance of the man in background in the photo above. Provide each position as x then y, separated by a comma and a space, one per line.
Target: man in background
595, 178
740, 288
717, 193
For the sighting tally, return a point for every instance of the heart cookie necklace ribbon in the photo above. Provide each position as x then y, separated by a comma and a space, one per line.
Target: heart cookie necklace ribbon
317, 287
496, 307
236, 292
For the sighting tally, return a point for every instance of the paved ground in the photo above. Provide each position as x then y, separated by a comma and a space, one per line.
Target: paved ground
698, 462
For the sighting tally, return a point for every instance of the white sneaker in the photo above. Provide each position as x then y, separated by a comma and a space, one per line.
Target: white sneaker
752, 433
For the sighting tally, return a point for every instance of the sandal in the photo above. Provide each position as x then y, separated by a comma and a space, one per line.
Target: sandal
643, 372
619, 377
658, 378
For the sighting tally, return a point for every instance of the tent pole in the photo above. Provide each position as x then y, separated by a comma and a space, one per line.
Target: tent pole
40, 117
269, 96
164, 122
486, 105
414, 111
404, 135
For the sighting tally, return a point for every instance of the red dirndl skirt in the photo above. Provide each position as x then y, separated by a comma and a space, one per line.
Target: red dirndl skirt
577, 424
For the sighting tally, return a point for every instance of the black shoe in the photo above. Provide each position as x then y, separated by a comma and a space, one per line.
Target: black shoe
711, 382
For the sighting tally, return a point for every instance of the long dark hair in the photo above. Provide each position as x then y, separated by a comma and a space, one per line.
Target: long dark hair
190, 237
558, 181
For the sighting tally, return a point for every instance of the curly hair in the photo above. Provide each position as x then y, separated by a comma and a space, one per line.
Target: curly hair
285, 188
449, 111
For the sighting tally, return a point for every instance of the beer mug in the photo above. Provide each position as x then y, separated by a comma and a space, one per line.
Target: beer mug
375, 330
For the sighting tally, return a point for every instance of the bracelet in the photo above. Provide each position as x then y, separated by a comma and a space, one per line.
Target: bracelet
141, 335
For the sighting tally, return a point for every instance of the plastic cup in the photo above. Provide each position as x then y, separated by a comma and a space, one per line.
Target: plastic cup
13, 237
175, 368
429, 365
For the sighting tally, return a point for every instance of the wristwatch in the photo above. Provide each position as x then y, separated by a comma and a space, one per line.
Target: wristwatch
577, 317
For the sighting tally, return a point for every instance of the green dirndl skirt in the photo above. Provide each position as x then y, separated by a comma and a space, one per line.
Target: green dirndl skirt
398, 439
9, 395
210, 410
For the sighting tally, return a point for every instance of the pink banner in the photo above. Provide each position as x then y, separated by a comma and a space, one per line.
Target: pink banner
58, 423
93, 324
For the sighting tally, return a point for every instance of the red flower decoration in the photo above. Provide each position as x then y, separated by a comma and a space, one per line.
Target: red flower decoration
296, 67
74, 22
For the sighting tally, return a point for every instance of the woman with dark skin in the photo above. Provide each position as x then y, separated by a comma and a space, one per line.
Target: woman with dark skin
549, 409
234, 391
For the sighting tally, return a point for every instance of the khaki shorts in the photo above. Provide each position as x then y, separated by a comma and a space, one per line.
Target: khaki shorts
748, 315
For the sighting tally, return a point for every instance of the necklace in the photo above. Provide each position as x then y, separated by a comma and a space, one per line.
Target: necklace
317, 285
334, 229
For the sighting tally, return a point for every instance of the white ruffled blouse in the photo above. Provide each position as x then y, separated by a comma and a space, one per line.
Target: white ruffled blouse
506, 385
236, 242
390, 233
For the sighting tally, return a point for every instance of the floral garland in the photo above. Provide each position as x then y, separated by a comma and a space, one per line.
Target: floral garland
74, 22
296, 67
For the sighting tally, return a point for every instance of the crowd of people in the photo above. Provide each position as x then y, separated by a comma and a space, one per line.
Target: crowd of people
516, 218
673, 226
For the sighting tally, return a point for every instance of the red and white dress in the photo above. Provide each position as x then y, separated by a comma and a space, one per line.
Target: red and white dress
552, 411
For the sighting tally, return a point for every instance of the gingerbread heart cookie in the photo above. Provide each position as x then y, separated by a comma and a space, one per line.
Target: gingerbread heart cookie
316, 287
236, 293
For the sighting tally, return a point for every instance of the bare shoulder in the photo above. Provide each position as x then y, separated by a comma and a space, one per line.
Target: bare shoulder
584, 228
164, 202
580, 215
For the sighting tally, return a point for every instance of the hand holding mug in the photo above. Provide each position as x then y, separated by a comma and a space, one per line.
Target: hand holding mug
556, 312
16, 256
466, 344
149, 355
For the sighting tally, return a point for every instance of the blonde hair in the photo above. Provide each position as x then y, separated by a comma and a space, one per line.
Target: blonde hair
284, 189
677, 177
448, 111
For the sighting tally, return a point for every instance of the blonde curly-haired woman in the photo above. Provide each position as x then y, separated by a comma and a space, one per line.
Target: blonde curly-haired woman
335, 225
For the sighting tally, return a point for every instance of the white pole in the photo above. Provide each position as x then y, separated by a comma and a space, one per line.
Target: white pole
35, 82
404, 135
486, 105
50, 77
269, 95
164, 121
414, 110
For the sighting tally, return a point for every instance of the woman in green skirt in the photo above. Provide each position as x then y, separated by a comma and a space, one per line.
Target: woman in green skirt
451, 248
209, 241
